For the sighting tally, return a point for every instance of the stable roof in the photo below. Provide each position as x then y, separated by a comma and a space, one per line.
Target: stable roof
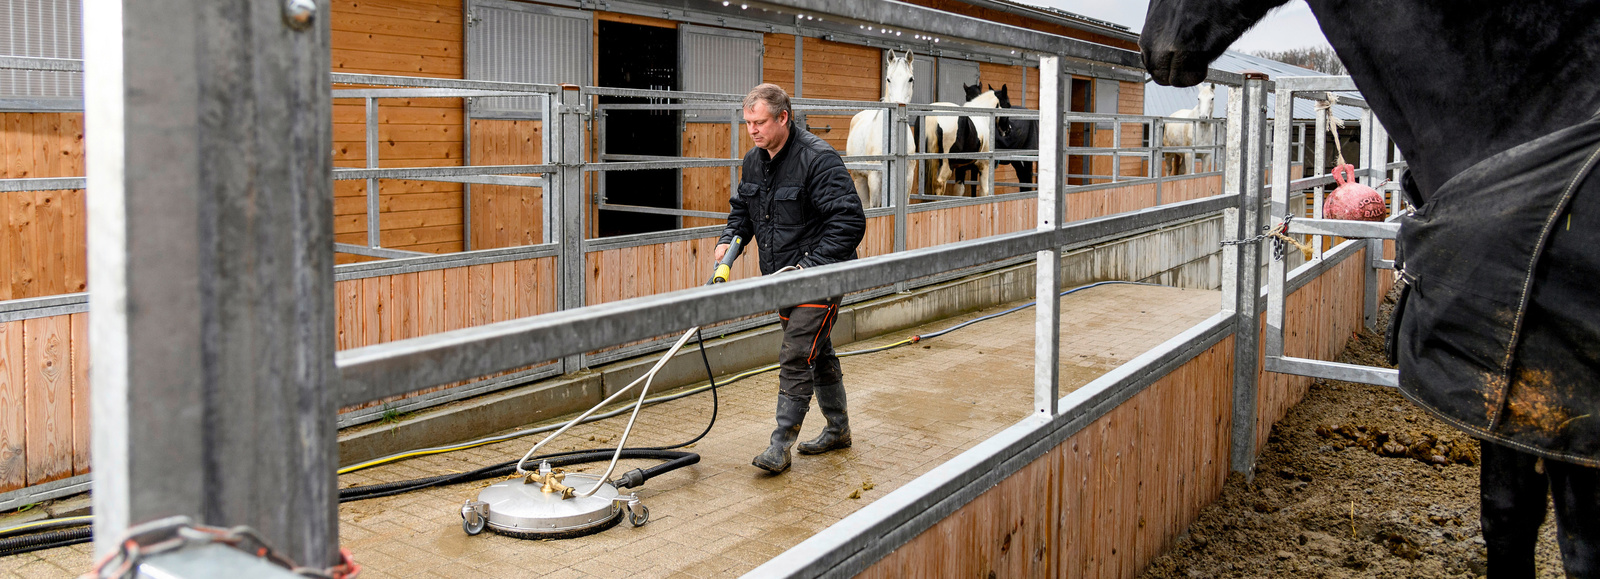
1165, 100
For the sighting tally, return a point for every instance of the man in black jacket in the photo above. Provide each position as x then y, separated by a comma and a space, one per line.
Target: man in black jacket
797, 202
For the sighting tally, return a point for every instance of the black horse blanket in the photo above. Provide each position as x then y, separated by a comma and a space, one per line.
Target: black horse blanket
1498, 328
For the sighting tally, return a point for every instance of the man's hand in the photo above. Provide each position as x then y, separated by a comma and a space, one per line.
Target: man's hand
722, 249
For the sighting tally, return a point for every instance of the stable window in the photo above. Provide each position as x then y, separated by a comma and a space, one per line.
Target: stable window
517, 42
718, 60
41, 29
954, 75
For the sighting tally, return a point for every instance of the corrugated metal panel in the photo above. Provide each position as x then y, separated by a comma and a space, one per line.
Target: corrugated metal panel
1106, 93
953, 73
515, 42
718, 61
924, 82
41, 28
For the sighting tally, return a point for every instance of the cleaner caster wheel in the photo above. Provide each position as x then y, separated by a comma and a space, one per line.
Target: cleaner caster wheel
474, 517
639, 517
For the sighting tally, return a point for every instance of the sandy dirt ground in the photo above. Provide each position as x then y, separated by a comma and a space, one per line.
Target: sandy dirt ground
1354, 482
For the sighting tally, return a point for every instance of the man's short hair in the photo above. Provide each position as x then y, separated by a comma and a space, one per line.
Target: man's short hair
776, 99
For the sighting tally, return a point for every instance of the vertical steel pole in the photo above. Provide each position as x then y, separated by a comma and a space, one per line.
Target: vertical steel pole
374, 235
1047, 265
1116, 153
567, 111
1321, 161
734, 116
1282, 117
1248, 173
1370, 296
548, 196
211, 255
466, 188
1158, 130
901, 145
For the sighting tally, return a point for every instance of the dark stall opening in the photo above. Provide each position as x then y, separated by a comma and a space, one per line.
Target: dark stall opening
642, 57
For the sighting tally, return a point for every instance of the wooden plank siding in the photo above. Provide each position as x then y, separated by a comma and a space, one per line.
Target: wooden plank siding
1103, 502
708, 189
42, 233
408, 38
835, 70
507, 216
395, 307
1116, 494
44, 400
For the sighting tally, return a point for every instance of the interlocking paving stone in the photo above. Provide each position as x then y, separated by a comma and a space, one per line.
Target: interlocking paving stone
912, 409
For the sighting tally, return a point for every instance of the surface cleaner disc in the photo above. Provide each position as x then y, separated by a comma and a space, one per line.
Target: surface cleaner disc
523, 510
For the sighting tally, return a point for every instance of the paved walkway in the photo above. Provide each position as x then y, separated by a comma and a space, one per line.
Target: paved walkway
912, 409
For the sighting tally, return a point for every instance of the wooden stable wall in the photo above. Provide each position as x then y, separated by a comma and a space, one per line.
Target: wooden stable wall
504, 216
41, 232
1105, 501
708, 188
838, 71
44, 400
1116, 494
407, 38
384, 308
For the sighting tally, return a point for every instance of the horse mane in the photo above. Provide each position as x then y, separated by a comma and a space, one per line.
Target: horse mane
985, 100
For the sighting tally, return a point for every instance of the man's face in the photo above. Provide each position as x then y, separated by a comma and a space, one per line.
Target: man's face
765, 130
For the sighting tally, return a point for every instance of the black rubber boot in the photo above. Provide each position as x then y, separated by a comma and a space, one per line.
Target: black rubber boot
790, 414
830, 398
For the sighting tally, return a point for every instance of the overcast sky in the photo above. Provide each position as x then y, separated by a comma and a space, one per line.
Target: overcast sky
1292, 26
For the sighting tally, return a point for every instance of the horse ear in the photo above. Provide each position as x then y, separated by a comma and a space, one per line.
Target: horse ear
910, 58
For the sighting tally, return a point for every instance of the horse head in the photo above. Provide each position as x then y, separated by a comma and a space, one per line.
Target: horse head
972, 90
898, 78
1181, 38
1002, 125
1208, 98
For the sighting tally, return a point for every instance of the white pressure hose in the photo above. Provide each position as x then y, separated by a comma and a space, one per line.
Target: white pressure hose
647, 378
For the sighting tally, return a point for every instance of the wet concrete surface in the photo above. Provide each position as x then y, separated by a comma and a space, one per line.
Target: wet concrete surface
912, 409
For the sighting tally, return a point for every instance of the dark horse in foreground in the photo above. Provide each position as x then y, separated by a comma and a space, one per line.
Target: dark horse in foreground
1498, 329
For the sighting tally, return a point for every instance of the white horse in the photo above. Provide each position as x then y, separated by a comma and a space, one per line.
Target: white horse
963, 134
866, 132
1189, 134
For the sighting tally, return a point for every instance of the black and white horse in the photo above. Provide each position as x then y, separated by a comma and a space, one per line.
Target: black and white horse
1494, 106
961, 134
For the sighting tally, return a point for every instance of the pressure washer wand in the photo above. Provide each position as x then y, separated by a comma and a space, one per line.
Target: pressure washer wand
719, 275
725, 267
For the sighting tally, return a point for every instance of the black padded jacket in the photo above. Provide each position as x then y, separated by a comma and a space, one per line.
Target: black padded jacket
800, 208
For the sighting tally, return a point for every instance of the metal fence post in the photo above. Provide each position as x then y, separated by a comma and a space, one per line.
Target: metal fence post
374, 206
1158, 162
567, 111
1247, 141
211, 255
1278, 267
1369, 301
901, 198
1377, 155
1047, 266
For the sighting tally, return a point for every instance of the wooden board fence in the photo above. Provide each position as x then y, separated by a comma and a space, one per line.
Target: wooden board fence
384, 308
44, 400
1113, 496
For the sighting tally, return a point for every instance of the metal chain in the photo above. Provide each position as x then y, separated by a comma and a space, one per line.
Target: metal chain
161, 536
1278, 235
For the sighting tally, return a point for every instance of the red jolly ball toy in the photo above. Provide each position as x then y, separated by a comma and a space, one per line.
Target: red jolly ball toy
1353, 200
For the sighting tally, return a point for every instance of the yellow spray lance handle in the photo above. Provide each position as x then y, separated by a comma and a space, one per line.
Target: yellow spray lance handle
725, 267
